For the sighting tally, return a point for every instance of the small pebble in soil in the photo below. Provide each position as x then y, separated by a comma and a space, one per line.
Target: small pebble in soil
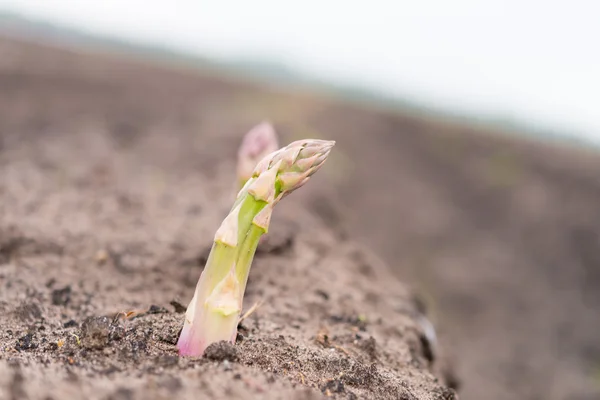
61, 297
70, 324
221, 351
179, 308
117, 331
154, 309
96, 332
25, 343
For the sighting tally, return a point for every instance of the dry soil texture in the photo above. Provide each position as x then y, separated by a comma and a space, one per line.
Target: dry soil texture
110, 188
114, 177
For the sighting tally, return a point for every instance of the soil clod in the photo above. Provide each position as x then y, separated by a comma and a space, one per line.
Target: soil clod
70, 324
26, 343
179, 308
107, 227
154, 309
97, 332
221, 351
61, 297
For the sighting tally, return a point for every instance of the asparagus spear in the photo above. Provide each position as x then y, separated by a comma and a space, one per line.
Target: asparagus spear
257, 144
215, 309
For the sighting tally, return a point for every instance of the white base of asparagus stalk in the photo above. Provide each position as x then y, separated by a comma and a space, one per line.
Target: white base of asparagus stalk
214, 320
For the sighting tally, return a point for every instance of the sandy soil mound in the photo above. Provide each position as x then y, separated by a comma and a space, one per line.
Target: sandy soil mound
110, 171
97, 224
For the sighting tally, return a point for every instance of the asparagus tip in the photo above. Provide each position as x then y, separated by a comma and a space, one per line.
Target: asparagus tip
260, 141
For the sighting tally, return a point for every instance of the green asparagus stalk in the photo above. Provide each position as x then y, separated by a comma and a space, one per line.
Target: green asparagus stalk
257, 144
215, 309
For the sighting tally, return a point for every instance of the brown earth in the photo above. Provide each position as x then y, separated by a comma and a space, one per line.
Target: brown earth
109, 203
115, 175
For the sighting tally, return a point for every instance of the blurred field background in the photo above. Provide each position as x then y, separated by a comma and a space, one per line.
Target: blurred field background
493, 219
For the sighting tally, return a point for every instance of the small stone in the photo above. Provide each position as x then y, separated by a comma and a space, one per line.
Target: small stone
95, 332
154, 309
25, 343
116, 331
70, 324
101, 256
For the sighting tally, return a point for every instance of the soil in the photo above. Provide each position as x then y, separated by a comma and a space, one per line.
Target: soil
115, 176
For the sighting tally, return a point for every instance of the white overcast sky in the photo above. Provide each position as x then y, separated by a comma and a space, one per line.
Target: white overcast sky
536, 60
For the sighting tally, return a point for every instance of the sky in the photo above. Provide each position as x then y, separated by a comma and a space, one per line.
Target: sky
534, 61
